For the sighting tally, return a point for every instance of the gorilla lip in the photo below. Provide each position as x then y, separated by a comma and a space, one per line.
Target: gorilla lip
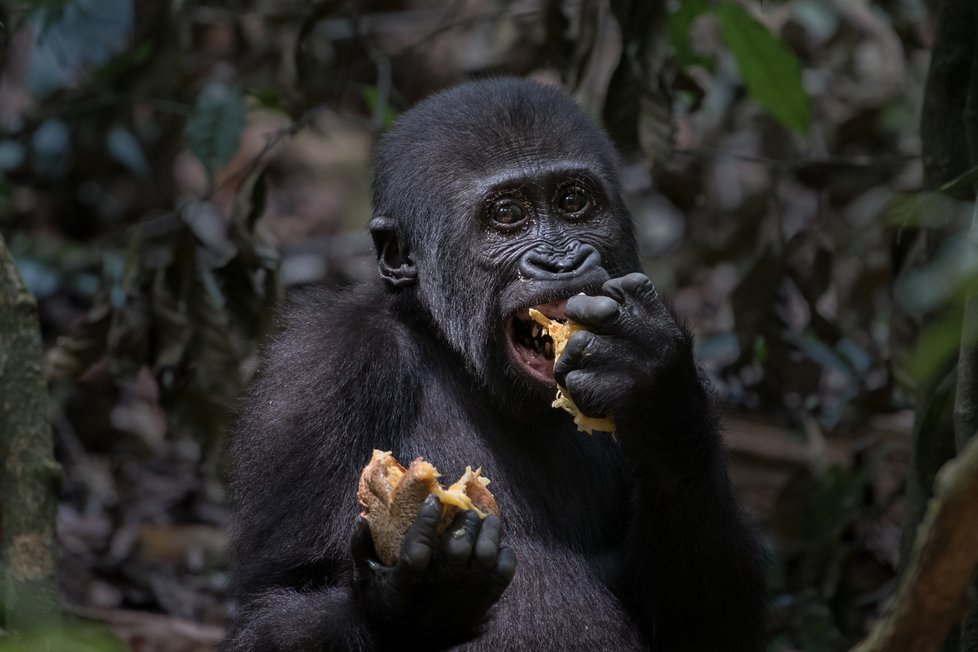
529, 345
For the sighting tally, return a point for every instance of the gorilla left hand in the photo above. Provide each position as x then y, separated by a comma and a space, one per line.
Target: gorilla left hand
634, 362
441, 588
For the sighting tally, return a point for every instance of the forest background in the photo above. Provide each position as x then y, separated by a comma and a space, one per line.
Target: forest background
802, 175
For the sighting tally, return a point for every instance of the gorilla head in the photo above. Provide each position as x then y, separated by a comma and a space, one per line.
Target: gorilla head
491, 198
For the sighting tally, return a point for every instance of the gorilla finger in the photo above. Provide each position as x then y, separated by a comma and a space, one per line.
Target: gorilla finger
638, 291
578, 352
635, 284
505, 565
591, 393
419, 541
486, 549
362, 544
457, 546
584, 350
594, 313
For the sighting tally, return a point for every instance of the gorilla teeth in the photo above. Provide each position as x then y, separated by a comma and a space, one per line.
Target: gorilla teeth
532, 336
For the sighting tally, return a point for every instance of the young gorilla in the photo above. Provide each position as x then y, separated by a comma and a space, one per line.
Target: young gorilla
491, 198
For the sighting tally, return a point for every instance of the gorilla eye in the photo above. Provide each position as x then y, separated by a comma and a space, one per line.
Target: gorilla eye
508, 212
573, 200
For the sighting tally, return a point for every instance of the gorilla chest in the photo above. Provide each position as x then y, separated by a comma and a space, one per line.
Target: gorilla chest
556, 601
549, 482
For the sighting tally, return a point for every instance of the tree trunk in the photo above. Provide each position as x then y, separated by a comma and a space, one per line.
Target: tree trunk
30, 476
933, 589
947, 411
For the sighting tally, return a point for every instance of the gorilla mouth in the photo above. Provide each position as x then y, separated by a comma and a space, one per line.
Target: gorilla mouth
530, 347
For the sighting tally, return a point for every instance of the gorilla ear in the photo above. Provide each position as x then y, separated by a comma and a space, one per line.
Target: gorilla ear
393, 262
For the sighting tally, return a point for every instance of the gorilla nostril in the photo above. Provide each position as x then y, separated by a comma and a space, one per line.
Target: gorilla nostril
559, 262
551, 264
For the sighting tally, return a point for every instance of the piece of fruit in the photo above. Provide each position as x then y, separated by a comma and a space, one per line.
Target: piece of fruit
391, 496
560, 332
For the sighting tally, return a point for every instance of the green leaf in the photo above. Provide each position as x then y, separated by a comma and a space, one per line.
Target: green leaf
215, 125
770, 71
268, 97
383, 110
83, 638
680, 23
936, 349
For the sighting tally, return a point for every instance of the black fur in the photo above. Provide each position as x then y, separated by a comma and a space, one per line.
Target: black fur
627, 543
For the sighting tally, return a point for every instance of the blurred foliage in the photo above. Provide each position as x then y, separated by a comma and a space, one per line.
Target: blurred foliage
168, 169
214, 127
75, 640
770, 71
72, 636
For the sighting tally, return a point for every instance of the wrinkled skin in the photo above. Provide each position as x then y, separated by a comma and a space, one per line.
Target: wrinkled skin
489, 199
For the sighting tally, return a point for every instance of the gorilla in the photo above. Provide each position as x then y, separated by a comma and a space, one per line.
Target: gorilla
490, 198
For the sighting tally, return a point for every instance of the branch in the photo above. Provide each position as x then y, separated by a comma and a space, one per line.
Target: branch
943, 126
966, 397
932, 593
966, 401
30, 476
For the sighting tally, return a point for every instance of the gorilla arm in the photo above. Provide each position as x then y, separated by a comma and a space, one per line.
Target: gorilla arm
328, 394
421, 601
687, 549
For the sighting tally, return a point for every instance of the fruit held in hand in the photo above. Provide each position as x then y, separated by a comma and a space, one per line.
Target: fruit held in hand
391, 496
560, 332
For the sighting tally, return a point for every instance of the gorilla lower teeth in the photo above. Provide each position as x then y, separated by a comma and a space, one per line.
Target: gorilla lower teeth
532, 337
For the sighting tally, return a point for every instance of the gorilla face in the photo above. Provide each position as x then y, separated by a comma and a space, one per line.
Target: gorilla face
550, 235
479, 220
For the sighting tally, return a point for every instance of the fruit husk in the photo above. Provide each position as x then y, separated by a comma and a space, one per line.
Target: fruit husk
391, 496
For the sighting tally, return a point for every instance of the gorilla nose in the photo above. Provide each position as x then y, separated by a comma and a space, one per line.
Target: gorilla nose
551, 264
